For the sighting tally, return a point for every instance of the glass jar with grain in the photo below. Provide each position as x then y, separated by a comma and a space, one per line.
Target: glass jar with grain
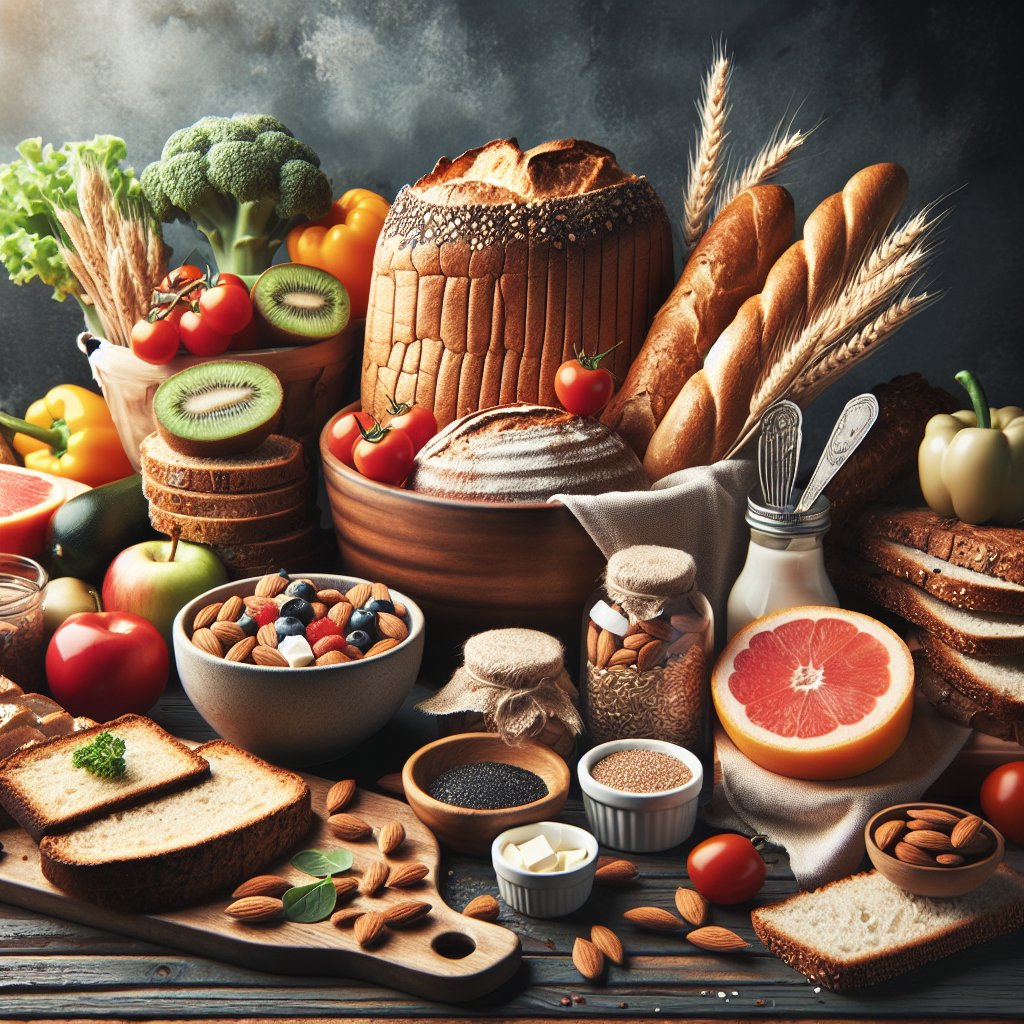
22, 637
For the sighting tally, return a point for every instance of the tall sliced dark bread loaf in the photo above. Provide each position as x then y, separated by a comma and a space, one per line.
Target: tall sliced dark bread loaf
996, 684
227, 506
181, 848
862, 930
44, 793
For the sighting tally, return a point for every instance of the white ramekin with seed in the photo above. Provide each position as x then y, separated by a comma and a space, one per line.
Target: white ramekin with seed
640, 822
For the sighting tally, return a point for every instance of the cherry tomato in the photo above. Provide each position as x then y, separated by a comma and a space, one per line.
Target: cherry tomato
726, 869
582, 386
226, 308
387, 457
1002, 799
344, 433
415, 420
199, 337
230, 279
176, 279
105, 664
155, 341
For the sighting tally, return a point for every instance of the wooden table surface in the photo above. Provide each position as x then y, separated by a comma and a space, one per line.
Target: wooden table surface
55, 969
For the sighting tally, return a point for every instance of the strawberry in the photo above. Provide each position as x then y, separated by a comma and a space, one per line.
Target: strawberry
262, 609
319, 628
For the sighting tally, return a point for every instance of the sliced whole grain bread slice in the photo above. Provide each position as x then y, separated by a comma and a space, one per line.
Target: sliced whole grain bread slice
996, 684
180, 848
230, 531
44, 793
863, 929
227, 506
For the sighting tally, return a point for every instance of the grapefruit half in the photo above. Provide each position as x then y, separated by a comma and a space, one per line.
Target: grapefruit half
28, 500
815, 693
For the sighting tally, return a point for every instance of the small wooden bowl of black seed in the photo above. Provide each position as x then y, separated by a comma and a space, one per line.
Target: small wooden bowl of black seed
469, 787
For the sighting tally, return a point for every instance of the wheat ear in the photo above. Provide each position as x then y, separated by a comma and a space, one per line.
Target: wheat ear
781, 145
705, 157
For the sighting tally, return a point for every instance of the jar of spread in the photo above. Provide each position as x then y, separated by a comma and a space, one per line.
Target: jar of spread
785, 564
22, 637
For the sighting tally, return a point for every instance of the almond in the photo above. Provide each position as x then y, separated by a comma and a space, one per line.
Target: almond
887, 833
369, 928
913, 855
262, 885
658, 628
392, 783
934, 815
391, 626
916, 824
206, 616
319, 609
692, 906
980, 844
346, 917
400, 610
379, 592
374, 877
399, 915
227, 632
339, 796
634, 641
616, 872
404, 875
346, 887
949, 860
482, 908
255, 908
622, 658
593, 632
353, 652
607, 645
331, 658
271, 585
965, 830
242, 650
716, 939
927, 839
608, 942
330, 597
649, 655
206, 640
339, 614
348, 826
358, 595
269, 657
380, 647
654, 918
390, 837
587, 959
266, 636
231, 610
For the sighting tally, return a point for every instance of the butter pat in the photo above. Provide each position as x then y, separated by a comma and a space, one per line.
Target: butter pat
297, 651
512, 855
538, 855
568, 859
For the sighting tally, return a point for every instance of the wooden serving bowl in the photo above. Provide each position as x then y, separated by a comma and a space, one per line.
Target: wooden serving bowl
931, 881
466, 829
470, 565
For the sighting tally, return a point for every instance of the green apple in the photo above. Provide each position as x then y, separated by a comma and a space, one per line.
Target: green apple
63, 597
156, 578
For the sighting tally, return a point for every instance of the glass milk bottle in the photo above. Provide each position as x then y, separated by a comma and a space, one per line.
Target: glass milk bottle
785, 564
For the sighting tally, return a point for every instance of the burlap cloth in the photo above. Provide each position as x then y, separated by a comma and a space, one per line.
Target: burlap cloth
820, 824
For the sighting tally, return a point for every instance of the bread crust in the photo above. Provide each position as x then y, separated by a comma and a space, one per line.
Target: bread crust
970, 680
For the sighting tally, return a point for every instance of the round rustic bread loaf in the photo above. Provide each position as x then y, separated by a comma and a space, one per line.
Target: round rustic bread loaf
525, 453
500, 264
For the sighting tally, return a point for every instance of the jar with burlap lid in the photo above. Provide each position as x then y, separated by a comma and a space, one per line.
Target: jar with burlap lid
512, 682
649, 640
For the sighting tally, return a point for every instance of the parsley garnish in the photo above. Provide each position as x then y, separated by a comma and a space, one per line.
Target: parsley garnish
104, 756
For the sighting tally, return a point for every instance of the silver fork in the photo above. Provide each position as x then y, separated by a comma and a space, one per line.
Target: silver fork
778, 452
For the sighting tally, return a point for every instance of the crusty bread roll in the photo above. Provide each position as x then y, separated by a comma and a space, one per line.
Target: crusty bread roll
729, 264
708, 414
499, 264
525, 453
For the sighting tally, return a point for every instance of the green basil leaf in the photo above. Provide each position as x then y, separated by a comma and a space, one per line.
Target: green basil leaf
309, 903
322, 863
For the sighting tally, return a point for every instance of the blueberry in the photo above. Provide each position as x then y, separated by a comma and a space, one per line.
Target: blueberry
301, 588
381, 605
249, 624
364, 620
288, 625
361, 639
298, 608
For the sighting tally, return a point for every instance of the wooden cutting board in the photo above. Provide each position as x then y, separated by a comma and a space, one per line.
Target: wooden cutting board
445, 956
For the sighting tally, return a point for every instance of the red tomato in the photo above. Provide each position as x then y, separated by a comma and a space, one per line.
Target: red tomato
1002, 799
156, 341
199, 337
726, 869
226, 308
176, 280
344, 433
105, 664
230, 279
386, 459
415, 420
582, 386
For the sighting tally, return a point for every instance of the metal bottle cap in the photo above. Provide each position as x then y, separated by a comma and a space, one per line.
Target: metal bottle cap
784, 522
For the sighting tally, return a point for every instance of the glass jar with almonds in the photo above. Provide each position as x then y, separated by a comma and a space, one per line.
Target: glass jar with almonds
648, 644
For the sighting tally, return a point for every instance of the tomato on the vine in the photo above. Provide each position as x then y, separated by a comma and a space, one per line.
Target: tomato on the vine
230, 279
226, 308
199, 337
384, 455
345, 432
176, 280
417, 421
155, 341
726, 869
1002, 800
582, 385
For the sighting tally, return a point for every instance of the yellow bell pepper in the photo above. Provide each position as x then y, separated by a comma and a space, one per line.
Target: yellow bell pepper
70, 434
342, 243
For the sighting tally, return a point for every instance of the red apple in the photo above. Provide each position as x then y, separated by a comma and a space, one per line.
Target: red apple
156, 578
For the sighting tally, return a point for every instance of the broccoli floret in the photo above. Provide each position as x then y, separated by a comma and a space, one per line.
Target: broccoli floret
244, 181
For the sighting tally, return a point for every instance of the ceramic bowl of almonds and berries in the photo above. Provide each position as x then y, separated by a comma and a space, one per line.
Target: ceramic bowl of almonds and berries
298, 669
933, 849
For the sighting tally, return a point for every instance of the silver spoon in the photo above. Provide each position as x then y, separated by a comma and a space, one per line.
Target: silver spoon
778, 452
851, 428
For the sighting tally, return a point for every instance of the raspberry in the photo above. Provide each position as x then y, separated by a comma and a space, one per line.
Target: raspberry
262, 609
329, 643
320, 628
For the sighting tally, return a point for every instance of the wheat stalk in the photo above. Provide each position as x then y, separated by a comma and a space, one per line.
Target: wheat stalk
769, 161
704, 161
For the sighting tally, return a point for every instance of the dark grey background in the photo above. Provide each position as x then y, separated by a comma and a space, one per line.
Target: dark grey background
381, 89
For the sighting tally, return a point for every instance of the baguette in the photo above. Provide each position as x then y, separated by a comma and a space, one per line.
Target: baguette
729, 265
708, 414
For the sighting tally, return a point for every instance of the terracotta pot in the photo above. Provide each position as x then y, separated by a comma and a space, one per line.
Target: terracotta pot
313, 377
470, 565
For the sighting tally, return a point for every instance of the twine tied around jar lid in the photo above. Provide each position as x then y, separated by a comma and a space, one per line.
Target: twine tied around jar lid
641, 579
516, 678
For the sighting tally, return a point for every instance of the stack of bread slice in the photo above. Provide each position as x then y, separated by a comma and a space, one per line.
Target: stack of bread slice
254, 509
963, 587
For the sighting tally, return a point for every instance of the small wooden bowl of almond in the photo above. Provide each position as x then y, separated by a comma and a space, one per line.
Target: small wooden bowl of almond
933, 849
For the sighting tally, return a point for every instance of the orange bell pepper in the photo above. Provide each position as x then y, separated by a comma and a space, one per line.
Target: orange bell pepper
69, 433
342, 243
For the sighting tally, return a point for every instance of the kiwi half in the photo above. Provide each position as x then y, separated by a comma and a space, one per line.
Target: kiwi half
300, 304
218, 408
